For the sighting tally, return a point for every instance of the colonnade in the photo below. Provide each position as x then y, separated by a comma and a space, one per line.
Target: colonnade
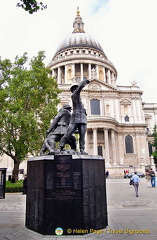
93, 72
109, 144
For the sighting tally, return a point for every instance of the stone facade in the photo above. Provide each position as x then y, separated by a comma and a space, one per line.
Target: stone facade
119, 125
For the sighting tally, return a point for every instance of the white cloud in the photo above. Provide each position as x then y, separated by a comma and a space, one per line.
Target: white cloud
126, 29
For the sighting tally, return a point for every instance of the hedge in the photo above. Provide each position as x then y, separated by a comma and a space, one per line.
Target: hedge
14, 187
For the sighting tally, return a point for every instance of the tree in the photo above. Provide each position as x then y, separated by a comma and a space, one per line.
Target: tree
155, 145
28, 100
31, 5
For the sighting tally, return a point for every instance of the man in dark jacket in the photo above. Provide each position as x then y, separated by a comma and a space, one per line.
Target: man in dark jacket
78, 118
25, 185
153, 179
57, 130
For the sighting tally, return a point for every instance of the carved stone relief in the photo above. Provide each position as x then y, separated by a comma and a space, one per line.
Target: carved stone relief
94, 86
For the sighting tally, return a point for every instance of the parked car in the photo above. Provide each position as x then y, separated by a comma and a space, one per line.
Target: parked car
131, 174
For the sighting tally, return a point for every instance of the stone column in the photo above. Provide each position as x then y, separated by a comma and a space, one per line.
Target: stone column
108, 76
59, 75
140, 110
117, 110
95, 144
112, 78
89, 70
97, 72
81, 72
53, 73
113, 147
134, 109
65, 75
104, 74
73, 70
107, 156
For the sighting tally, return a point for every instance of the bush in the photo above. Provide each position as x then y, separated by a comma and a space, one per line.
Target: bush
14, 187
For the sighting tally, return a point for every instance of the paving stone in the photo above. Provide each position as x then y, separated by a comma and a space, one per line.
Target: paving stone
125, 211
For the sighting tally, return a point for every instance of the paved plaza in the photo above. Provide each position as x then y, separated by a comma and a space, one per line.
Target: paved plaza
129, 217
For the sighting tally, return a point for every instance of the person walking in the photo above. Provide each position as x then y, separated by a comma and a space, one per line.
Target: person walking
148, 178
107, 174
153, 179
25, 185
136, 181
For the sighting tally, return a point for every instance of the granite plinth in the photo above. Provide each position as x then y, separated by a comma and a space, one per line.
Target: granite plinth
67, 191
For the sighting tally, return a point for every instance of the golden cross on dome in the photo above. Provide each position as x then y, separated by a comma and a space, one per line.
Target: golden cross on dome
78, 11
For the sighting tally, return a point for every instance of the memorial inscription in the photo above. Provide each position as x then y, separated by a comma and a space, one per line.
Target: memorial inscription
63, 172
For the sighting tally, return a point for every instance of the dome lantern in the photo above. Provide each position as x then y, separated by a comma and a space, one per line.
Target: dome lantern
78, 25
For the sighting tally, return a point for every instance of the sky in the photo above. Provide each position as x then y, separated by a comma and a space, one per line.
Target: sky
126, 30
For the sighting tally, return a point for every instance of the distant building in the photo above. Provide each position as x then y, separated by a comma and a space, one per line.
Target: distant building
120, 125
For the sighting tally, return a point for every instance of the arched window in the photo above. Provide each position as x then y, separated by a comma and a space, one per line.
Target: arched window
95, 107
150, 149
129, 144
100, 151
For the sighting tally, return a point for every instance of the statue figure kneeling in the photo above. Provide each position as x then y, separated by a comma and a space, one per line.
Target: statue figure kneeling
57, 130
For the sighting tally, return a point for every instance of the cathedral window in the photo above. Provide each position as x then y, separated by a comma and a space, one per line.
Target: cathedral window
126, 118
100, 151
129, 144
150, 149
95, 106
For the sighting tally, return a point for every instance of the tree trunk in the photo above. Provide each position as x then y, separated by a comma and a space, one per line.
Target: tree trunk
15, 172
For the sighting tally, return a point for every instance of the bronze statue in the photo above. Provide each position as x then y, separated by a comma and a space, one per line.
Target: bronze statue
57, 130
78, 118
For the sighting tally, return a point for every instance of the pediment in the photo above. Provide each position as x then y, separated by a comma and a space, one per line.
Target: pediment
148, 116
97, 85
125, 102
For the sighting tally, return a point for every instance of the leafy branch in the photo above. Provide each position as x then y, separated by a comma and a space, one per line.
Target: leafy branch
31, 5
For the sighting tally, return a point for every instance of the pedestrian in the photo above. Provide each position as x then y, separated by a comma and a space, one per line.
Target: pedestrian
107, 174
148, 178
127, 172
136, 181
25, 185
153, 179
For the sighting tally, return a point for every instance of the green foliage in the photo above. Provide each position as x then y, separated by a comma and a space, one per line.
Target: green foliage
14, 187
31, 5
155, 145
28, 100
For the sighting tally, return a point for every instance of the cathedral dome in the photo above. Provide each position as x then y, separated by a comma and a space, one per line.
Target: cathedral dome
79, 38
80, 56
